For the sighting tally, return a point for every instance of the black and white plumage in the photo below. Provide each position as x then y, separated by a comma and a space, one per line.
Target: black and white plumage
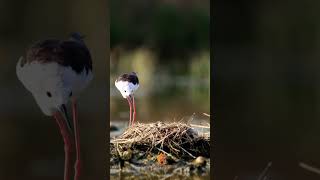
55, 72
127, 84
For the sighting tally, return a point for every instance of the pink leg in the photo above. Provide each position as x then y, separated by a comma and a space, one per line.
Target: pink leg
134, 110
67, 144
129, 101
78, 163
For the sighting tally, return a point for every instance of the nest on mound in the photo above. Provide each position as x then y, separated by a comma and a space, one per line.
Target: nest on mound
178, 140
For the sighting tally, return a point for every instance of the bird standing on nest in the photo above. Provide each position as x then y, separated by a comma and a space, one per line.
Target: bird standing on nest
55, 72
127, 84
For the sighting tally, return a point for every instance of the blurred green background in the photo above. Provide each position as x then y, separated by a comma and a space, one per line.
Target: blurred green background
31, 144
167, 44
267, 88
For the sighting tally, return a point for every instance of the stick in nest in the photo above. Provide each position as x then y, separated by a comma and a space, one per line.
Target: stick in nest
309, 168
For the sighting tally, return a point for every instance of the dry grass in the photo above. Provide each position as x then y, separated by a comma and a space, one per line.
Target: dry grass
177, 140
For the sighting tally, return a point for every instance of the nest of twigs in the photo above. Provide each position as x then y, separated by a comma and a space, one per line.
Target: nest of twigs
178, 140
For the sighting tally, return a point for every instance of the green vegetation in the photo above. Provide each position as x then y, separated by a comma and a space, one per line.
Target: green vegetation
170, 30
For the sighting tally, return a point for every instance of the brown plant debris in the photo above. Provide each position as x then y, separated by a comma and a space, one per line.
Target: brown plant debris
175, 140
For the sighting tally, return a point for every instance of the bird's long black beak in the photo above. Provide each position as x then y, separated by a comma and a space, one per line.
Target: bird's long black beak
64, 112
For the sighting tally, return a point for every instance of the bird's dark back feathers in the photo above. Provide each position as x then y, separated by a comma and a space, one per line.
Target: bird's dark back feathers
132, 77
67, 53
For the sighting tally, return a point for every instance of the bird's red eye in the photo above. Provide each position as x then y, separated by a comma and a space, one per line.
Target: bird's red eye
49, 94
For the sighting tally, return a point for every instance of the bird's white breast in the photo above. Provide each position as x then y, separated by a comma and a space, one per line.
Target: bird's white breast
126, 88
34, 75
39, 78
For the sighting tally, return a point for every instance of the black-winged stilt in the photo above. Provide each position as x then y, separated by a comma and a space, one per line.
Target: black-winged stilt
127, 84
55, 72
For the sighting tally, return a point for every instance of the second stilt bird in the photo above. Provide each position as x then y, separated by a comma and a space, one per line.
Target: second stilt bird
55, 72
